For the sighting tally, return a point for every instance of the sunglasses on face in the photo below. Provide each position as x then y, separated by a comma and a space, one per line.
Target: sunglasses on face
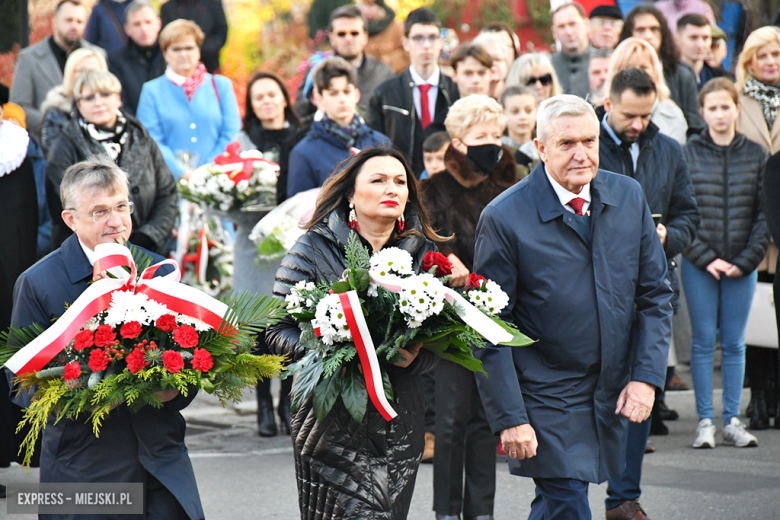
545, 80
343, 34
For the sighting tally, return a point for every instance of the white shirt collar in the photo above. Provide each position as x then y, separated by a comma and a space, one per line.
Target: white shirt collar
176, 79
565, 196
433, 80
91, 255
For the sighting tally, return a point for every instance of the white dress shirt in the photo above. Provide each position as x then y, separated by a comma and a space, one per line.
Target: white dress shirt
91, 255
565, 196
433, 81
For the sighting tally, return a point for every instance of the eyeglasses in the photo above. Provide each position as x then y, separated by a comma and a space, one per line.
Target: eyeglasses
344, 34
102, 215
545, 80
92, 97
422, 38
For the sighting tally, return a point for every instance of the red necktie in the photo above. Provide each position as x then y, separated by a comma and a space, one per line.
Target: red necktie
425, 109
576, 204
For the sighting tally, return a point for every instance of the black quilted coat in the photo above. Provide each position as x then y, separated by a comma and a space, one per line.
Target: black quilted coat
347, 470
728, 182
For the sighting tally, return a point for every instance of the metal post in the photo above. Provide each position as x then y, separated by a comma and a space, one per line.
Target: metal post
24, 24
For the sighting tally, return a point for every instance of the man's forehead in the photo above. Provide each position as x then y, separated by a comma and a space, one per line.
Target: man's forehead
423, 28
93, 197
574, 128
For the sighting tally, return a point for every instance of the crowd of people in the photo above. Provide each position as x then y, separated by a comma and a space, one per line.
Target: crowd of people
513, 165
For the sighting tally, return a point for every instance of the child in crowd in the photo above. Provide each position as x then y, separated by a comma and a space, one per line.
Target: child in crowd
433, 154
520, 106
341, 134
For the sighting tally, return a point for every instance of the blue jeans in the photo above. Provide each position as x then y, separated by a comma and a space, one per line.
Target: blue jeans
718, 305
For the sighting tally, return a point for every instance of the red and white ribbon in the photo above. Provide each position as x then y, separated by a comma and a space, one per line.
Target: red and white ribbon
367, 352
112, 258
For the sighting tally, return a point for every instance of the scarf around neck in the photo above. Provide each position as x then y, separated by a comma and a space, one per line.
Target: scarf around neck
767, 96
190, 84
111, 139
346, 135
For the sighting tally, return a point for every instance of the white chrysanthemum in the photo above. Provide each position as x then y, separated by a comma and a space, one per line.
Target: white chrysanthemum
492, 300
201, 326
330, 319
242, 186
266, 176
391, 261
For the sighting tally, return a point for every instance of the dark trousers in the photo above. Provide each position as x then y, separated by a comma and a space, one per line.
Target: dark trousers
626, 486
560, 499
429, 387
463, 437
160, 503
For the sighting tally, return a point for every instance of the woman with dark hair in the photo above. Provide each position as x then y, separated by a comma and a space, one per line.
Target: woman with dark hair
269, 123
647, 23
345, 469
509, 38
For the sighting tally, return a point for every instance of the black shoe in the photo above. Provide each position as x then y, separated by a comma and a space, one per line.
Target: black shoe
649, 448
759, 419
266, 425
666, 413
2, 491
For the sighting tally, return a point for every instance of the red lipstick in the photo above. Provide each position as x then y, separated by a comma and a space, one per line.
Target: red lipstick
390, 203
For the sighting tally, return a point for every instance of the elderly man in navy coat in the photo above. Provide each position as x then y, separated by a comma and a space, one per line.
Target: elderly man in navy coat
576, 250
145, 446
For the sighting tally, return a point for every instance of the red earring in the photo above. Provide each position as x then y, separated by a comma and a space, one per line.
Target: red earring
353, 223
401, 223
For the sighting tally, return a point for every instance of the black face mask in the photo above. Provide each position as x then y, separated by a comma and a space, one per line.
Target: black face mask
485, 157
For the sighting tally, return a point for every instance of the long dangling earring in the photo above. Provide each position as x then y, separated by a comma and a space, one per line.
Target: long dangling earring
401, 223
353, 223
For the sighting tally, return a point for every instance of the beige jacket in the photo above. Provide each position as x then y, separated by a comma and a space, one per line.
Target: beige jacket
751, 122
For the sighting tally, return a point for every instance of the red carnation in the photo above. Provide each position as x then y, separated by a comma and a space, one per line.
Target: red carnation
105, 335
166, 323
173, 361
442, 263
136, 361
98, 360
84, 339
201, 360
72, 371
186, 336
130, 330
475, 281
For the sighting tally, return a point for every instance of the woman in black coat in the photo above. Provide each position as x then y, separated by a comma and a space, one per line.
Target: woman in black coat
478, 170
771, 206
719, 267
102, 128
347, 470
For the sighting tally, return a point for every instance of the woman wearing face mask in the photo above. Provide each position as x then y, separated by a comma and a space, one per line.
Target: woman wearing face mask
479, 168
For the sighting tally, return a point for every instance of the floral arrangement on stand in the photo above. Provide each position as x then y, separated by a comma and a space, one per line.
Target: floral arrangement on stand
206, 258
130, 336
233, 182
354, 326
278, 231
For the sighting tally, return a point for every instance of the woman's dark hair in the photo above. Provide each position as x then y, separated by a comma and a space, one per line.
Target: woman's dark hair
496, 27
668, 53
341, 185
250, 118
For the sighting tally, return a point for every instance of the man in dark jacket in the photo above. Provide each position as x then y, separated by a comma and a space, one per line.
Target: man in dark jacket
104, 27
694, 38
338, 136
398, 108
575, 248
210, 17
348, 38
570, 28
145, 446
141, 59
631, 145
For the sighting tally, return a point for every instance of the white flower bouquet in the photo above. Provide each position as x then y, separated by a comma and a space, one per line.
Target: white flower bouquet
278, 231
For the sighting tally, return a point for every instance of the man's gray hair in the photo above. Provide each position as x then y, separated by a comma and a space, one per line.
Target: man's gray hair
564, 105
137, 5
97, 174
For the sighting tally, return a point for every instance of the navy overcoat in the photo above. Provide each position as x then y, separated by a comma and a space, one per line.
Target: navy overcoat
580, 302
130, 444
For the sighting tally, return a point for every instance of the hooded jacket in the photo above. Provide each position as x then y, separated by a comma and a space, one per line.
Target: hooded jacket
347, 470
57, 110
456, 197
728, 182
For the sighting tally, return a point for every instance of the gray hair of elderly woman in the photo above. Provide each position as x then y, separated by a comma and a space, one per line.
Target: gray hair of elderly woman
564, 105
98, 174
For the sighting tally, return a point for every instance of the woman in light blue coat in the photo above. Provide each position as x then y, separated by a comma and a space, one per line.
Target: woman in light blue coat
191, 114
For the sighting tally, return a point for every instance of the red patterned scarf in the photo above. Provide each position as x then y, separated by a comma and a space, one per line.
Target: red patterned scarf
193, 82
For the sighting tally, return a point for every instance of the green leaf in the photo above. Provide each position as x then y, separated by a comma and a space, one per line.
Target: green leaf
354, 393
341, 287
358, 256
388, 386
363, 280
518, 338
305, 383
325, 394
271, 246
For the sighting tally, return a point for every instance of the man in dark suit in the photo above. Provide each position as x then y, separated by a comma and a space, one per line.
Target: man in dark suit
39, 67
141, 59
412, 105
145, 446
576, 250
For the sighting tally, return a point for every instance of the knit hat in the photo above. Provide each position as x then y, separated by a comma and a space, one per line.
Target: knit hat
607, 11
14, 111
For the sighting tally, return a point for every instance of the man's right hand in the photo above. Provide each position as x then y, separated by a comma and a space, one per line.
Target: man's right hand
460, 273
519, 442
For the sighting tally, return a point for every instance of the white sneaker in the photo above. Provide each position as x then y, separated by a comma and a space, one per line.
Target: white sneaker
734, 433
705, 435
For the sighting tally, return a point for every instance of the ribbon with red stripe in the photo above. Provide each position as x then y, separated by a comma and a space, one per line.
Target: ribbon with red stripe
112, 259
365, 347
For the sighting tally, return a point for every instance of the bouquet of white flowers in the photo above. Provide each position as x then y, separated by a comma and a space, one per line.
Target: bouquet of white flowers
233, 182
278, 231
